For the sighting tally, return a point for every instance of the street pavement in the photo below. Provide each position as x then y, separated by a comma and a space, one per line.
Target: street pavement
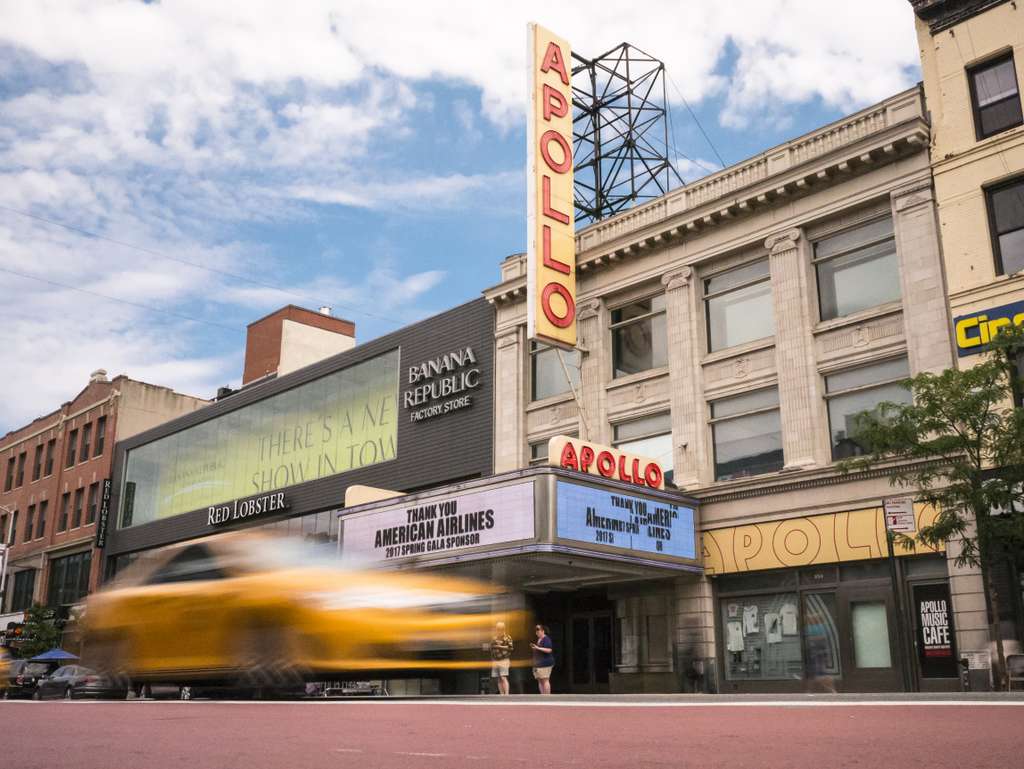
547, 733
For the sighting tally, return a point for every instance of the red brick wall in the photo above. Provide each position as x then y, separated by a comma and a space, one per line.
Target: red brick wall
263, 340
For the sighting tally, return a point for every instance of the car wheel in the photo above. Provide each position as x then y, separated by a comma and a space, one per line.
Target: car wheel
67, 692
185, 693
36, 695
266, 657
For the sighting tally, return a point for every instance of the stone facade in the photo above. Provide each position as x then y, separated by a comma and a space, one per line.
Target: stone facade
868, 166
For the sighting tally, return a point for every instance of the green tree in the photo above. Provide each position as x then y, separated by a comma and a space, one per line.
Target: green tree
42, 631
960, 447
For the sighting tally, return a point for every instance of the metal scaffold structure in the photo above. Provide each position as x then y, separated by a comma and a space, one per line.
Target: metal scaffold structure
620, 132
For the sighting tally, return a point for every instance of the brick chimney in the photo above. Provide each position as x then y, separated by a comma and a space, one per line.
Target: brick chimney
291, 338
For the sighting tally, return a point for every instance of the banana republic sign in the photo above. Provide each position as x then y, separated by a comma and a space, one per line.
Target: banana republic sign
441, 385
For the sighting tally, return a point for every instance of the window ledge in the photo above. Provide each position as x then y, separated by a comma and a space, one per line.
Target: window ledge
858, 317
738, 350
641, 376
553, 400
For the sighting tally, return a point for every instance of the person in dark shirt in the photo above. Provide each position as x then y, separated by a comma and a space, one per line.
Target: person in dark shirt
543, 659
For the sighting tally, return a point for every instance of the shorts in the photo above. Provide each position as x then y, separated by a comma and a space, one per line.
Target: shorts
542, 674
499, 668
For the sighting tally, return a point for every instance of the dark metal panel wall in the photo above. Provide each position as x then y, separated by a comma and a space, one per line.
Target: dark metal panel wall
446, 448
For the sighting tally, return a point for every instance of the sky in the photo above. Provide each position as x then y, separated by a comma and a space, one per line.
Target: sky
171, 171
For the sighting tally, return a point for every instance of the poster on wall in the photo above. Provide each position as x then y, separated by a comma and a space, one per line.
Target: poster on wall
626, 521
933, 615
438, 526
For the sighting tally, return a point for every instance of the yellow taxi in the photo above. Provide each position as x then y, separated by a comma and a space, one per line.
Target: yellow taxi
265, 610
5, 669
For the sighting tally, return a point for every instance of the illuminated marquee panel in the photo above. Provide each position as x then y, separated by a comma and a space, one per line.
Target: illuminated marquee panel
550, 237
625, 521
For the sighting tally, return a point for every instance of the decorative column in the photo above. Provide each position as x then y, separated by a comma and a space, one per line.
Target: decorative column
922, 285
804, 442
509, 400
684, 376
593, 369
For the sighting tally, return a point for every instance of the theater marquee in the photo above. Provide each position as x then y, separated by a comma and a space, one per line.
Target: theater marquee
550, 237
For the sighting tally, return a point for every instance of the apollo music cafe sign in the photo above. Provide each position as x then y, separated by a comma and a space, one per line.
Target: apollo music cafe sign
604, 461
550, 236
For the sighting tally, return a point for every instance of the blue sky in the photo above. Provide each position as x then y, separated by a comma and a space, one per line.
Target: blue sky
369, 156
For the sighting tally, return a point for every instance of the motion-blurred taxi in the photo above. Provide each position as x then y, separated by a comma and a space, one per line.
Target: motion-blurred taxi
263, 610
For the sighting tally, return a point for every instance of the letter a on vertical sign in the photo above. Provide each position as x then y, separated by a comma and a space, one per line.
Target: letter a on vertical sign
550, 237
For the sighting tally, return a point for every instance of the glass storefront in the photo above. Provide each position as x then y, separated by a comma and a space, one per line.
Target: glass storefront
340, 422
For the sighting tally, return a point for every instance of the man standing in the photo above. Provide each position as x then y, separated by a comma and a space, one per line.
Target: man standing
543, 659
501, 652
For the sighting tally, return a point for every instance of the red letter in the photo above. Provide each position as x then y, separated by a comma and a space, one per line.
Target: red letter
623, 472
653, 476
606, 464
554, 264
558, 216
553, 61
570, 307
636, 472
545, 140
586, 457
554, 103
568, 460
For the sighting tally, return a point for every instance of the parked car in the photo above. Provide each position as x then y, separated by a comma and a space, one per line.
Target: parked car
261, 611
22, 678
94, 685
60, 682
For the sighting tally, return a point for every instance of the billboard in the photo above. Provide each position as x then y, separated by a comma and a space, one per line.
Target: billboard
440, 525
974, 331
625, 521
550, 236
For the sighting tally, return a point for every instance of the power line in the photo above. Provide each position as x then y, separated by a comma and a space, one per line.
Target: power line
696, 120
198, 266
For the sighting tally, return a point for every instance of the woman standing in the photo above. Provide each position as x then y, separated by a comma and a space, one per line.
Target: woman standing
543, 659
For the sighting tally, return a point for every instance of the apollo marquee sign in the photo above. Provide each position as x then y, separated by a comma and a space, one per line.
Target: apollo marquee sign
551, 236
605, 462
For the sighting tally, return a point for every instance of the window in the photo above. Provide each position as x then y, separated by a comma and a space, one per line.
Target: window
37, 463
77, 520
192, 564
20, 479
41, 522
65, 501
747, 434
14, 529
738, 306
72, 443
83, 453
50, 445
849, 393
857, 269
539, 450
995, 97
1006, 223
101, 435
30, 515
24, 587
639, 339
762, 637
3, 531
69, 579
547, 377
9, 482
90, 508
649, 437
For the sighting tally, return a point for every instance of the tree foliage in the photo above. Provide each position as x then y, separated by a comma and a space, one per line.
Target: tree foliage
42, 631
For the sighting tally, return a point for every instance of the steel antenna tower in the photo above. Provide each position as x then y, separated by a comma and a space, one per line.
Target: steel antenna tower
620, 132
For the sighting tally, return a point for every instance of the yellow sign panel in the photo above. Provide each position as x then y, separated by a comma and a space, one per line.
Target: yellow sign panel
854, 535
550, 237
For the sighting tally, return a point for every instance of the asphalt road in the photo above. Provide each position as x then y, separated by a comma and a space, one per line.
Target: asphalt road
549, 734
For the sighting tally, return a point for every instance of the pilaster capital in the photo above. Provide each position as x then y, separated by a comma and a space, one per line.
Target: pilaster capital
504, 339
913, 194
783, 241
677, 279
589, 310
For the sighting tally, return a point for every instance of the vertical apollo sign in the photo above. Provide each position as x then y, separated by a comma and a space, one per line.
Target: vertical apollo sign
550, 237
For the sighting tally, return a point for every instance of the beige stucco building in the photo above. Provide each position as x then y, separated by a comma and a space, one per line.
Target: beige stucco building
730, 329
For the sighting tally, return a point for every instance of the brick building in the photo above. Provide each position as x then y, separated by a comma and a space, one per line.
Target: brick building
51, 487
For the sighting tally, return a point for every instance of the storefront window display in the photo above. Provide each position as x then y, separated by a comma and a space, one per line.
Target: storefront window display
762, 637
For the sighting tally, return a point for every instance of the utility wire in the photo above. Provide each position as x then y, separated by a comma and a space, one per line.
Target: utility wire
695, 119
215, 270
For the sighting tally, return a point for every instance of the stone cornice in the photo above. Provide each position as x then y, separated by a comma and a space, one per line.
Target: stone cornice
943, 14
677, 278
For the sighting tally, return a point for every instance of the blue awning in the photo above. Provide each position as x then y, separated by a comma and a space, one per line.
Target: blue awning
54, 655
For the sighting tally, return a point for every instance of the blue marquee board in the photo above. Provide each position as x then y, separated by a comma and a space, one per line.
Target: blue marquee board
625, 521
